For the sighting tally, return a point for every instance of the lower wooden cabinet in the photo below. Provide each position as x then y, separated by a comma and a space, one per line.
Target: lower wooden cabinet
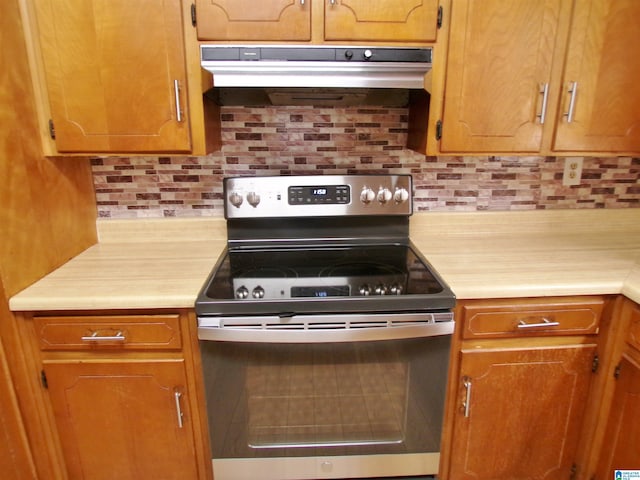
620, 448
520, 411
124, 420
521, 375
121, 391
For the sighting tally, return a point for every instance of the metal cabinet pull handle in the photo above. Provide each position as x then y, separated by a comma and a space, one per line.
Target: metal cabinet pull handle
544, 324
545, 97
94, 337
466, 381
301, 2
332, 2
573, 90
177, 395
176, 88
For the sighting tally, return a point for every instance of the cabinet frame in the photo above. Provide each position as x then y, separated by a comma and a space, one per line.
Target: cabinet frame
568, 58
188, 357
602, 340
201, 116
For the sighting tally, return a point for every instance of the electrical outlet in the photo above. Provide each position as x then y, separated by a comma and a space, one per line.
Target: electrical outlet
572, 171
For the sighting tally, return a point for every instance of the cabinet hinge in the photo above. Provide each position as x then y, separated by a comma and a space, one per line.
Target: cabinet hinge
595, 364
438, 129
616, 372
43, 379
440, 15
52, 130
574, 470
194, 18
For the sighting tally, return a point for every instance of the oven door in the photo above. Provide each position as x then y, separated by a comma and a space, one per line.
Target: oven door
330, 402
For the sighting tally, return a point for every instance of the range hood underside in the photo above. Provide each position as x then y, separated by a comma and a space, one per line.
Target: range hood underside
333, 97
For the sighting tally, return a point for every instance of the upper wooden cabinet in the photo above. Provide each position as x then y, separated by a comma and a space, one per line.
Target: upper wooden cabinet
500, 59
273, 20
546, 77
600, 84
115, 76
388, 21
115, 73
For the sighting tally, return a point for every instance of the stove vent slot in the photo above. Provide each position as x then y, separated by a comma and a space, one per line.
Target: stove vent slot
330, 322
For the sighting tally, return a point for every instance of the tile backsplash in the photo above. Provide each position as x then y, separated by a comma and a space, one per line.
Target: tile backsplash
306, 140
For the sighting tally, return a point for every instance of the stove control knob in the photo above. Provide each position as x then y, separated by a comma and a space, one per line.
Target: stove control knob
235, 199
384, 195
242, 293
395, 289
381, 289
365, 290
258, 292
253, 198
401, 195
367, 195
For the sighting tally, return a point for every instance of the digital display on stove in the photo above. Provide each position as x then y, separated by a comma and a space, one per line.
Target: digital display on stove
319, 194
320, 292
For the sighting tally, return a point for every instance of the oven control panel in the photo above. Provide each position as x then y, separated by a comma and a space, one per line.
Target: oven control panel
317, 195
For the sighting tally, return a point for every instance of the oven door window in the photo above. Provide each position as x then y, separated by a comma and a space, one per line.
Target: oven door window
267, 400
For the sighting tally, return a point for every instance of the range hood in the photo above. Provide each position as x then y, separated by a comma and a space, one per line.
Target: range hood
316, 67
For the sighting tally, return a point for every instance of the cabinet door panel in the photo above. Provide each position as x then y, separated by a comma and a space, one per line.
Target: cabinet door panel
622, 436
501, 54
604, 61
524, 413
111, 68
120, 419
391, 20
277, 20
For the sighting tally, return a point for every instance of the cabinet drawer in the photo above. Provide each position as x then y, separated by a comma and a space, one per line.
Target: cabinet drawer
109, 332
633, 337
505, 319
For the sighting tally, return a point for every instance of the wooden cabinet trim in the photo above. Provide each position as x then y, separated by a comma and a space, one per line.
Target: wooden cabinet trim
149, 332
502, 318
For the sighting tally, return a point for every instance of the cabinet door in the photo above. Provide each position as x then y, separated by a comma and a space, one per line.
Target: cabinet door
499, 62
622, 435
115, 74
122, 419
520, 412
277, 20
601, 79
385, 21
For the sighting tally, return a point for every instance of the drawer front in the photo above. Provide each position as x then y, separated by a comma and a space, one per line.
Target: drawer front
126, 332
633, 337
531, 319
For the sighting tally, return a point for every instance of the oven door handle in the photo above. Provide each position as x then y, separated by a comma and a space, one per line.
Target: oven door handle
325, 328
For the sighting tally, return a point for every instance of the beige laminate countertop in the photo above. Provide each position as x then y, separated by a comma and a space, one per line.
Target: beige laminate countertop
162, 263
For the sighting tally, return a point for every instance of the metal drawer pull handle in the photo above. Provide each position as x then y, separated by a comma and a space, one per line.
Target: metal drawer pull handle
176, 88
545, 323
573, 90
177, 395
94, 337
466, 381
301, 2
545, 98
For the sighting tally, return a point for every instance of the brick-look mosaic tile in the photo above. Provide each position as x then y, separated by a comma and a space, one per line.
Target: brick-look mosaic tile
306, 140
